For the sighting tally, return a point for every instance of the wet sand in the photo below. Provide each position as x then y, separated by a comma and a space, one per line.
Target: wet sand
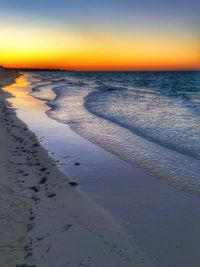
44, 220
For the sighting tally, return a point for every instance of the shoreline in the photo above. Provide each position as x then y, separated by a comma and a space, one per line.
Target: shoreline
159, 217
52, 223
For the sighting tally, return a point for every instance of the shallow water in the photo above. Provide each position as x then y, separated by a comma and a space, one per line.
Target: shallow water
150, 119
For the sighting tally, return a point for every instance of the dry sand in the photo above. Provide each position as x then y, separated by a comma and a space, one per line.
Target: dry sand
44, 221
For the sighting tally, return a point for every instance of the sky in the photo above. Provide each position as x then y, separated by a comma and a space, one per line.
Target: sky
100, 35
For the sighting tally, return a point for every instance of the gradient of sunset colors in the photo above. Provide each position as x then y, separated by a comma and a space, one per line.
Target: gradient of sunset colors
100, 35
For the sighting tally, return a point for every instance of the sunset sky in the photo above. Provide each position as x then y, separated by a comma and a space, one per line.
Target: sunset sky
100, 35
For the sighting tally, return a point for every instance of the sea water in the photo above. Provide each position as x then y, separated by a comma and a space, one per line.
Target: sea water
150, 119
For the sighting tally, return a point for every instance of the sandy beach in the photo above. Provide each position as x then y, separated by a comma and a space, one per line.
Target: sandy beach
44, 220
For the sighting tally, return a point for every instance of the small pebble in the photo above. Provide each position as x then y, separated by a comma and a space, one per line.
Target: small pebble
73, 183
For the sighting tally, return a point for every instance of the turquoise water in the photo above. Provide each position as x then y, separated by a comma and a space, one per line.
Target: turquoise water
150, 119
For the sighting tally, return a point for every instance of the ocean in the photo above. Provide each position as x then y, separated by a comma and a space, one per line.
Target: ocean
150, 119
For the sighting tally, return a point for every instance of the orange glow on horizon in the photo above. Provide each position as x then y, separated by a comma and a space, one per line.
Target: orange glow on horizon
23, 47
108, 67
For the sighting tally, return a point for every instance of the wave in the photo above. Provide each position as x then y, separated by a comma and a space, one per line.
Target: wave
121, 107
155, 128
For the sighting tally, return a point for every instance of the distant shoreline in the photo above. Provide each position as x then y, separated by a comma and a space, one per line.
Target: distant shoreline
7, 76
68, 70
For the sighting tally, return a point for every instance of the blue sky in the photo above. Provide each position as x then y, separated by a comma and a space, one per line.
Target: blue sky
94, 11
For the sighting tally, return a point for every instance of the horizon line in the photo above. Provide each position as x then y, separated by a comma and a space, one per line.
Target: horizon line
97, 70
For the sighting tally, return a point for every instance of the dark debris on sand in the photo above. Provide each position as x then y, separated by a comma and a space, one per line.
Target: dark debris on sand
73, 183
